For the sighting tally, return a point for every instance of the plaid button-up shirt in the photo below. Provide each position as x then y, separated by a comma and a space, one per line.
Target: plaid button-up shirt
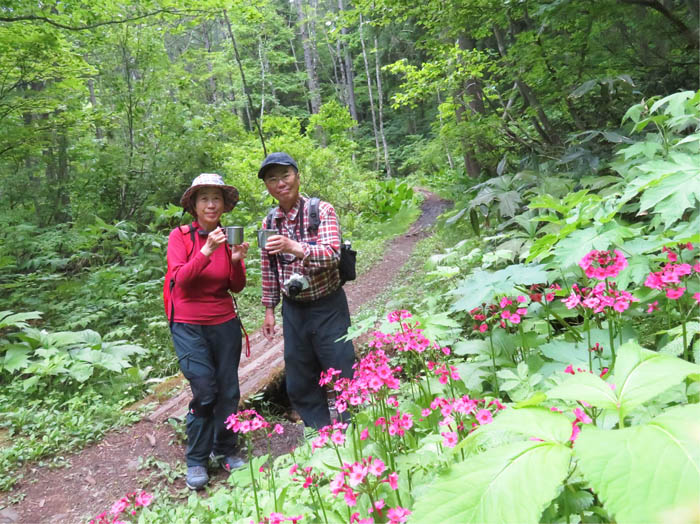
321, 254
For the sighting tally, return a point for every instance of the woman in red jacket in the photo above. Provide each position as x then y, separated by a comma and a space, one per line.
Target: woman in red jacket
204, 324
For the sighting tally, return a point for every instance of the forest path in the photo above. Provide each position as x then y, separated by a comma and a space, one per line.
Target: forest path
150, 452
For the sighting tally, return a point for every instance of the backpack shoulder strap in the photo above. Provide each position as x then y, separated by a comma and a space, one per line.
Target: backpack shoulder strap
270, 217
314, 217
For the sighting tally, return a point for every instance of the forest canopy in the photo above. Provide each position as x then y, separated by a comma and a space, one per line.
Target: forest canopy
107, 108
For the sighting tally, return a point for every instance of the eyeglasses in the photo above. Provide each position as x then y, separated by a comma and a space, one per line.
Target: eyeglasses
274, 180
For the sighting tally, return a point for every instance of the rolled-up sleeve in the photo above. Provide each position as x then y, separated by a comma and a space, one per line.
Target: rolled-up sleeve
325, 253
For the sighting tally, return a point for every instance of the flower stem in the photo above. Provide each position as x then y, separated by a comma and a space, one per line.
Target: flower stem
493, 362
249, 445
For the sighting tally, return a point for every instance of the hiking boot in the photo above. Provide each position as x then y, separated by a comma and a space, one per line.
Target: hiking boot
197, 477
231, 462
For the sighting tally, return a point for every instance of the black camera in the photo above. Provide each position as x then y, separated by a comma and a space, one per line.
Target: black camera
295, 284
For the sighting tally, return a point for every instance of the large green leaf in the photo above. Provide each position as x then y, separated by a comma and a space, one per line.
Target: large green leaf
532, 422
16, 357
643, 471
588, 387
18, 320
482, 286
575, 246
641, 374
511, 483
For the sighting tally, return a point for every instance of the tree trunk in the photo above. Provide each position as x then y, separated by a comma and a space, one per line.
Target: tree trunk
309, 59
245, 85
380, 97
475, 105
349, 70
369, 90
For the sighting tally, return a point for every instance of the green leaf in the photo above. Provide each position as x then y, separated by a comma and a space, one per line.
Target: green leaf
471, 347
532, 422
16, 357
529, 472
641, 374
18, 320
482, 286
588, 387
643, 471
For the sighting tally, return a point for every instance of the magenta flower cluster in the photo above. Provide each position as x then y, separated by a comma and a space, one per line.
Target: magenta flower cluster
279, 518
669, 278
373, 374
129, 504
249, 420
603, 264
603, 296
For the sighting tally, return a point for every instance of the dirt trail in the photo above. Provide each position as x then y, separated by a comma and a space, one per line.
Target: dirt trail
148, 452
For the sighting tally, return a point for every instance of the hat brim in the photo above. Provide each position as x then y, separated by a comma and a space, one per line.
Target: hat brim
230, 197
263, 169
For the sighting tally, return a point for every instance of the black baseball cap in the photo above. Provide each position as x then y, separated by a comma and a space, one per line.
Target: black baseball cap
279, 158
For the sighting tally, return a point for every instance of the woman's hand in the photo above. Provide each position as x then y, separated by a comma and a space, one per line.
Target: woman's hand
277, 244
214, 239
239, 252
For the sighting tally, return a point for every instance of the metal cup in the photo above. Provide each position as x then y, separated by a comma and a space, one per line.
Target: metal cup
234, 235
263, 235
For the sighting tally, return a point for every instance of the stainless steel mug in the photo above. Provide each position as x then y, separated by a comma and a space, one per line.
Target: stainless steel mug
263, 235
234, 235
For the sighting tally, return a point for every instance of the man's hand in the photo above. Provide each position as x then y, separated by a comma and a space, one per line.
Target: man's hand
214, 240
269, 323
277, 244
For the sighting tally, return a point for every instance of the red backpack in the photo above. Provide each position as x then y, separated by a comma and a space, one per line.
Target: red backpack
169, 283
188, 232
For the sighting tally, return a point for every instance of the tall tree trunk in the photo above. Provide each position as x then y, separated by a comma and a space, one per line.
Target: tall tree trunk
93, 103
245, 85
296, 67
369, 90
463, 110
444, 143
211, 81
349, 70
309, 59
380, 98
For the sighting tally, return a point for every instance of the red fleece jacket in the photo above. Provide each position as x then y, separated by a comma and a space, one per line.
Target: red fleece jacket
202, 284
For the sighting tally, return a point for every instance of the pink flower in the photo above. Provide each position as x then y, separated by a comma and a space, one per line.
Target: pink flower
350, 497
549, 297
293, 469
483, 328
521, 299
120, 506
570, 370
393, 480
449, 439
515, 318
602, 264
377, 467
675, 294
365, 434
575, 430
397, 515
654, 306
573, 300
505, 301
483, 416
143, 499
696, 296
338, 438
581, 416
521, 311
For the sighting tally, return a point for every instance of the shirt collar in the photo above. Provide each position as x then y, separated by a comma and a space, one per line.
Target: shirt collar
291, 216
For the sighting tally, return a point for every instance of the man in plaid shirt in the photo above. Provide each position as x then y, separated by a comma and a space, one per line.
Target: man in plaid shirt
314, 318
